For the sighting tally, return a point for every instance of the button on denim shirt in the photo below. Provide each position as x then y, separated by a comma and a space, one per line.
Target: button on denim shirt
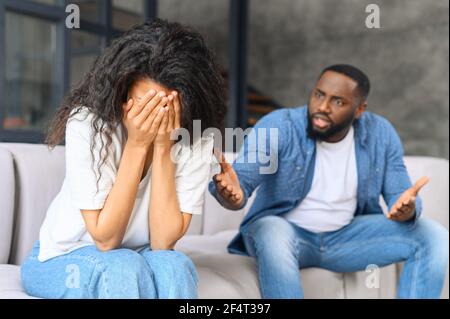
379, 160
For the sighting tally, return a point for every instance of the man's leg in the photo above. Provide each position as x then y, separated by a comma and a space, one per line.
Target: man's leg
280, 249
373, 239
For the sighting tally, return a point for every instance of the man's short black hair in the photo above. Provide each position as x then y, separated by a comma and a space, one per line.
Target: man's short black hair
355, 74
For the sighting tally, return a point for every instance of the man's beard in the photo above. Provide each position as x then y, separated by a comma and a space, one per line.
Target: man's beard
332, 130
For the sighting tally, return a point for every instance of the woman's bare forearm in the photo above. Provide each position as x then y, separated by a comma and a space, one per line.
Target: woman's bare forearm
113, 219
165, 218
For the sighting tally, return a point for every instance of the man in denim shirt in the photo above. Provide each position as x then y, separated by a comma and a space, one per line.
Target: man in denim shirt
320, 206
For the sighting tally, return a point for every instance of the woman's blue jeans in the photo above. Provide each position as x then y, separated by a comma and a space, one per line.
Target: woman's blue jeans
119, 273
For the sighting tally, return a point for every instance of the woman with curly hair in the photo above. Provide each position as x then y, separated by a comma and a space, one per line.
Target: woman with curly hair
125, 201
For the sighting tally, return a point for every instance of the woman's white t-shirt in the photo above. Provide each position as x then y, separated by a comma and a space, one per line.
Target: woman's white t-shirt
64, 229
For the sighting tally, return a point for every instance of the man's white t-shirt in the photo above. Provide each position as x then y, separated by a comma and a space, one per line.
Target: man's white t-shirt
331, 202
64, 229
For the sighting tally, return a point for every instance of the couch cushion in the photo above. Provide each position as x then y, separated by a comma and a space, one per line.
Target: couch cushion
10, 286
211, 244
435, 193
39, 176
7, 192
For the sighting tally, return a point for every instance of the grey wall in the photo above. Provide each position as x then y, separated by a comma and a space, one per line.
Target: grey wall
209, 17
406, 59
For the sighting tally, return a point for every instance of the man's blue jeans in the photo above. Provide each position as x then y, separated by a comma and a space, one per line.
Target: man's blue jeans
119, 273
282, 248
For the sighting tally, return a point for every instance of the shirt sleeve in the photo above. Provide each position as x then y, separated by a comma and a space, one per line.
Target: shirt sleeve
88, 188
396, 179
193, 173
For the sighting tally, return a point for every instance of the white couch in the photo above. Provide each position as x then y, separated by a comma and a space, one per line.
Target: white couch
31, 175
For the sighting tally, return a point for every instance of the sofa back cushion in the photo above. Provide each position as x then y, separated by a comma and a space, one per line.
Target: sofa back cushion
435, 194
38, 176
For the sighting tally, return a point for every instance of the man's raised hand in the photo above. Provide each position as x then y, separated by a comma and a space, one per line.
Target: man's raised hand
227, 184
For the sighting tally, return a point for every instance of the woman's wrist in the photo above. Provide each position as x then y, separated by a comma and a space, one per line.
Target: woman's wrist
138, 149
162, 148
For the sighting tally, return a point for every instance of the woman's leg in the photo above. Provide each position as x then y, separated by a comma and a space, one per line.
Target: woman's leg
88, 273
175, 275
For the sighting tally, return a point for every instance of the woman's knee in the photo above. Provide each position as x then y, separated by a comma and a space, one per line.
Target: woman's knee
126, 263
171, 262
122, 273
173, 258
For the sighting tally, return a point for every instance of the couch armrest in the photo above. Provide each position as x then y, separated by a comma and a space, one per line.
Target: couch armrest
7, 193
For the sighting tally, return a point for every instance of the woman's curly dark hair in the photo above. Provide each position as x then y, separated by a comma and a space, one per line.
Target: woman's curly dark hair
170, 54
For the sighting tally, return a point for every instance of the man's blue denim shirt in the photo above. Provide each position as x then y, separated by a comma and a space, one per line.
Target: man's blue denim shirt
379, 158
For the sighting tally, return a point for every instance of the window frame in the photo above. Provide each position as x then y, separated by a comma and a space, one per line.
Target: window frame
56, 14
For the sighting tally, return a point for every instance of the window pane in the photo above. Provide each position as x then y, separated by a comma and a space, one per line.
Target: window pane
85, 48
89, 10
30, 77
127, 13
50, 2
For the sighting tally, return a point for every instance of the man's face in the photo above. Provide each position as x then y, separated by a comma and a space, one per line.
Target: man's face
333, 106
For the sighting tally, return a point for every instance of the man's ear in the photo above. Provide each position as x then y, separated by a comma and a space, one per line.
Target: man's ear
361, 109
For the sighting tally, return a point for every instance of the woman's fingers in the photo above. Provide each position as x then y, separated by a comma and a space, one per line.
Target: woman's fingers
140, 104
127, 106
151, 120
158, 100
177, 109
171, 124
156, 123
164, 122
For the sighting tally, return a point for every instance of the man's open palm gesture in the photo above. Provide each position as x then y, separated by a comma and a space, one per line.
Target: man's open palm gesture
405, 207
227, 184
